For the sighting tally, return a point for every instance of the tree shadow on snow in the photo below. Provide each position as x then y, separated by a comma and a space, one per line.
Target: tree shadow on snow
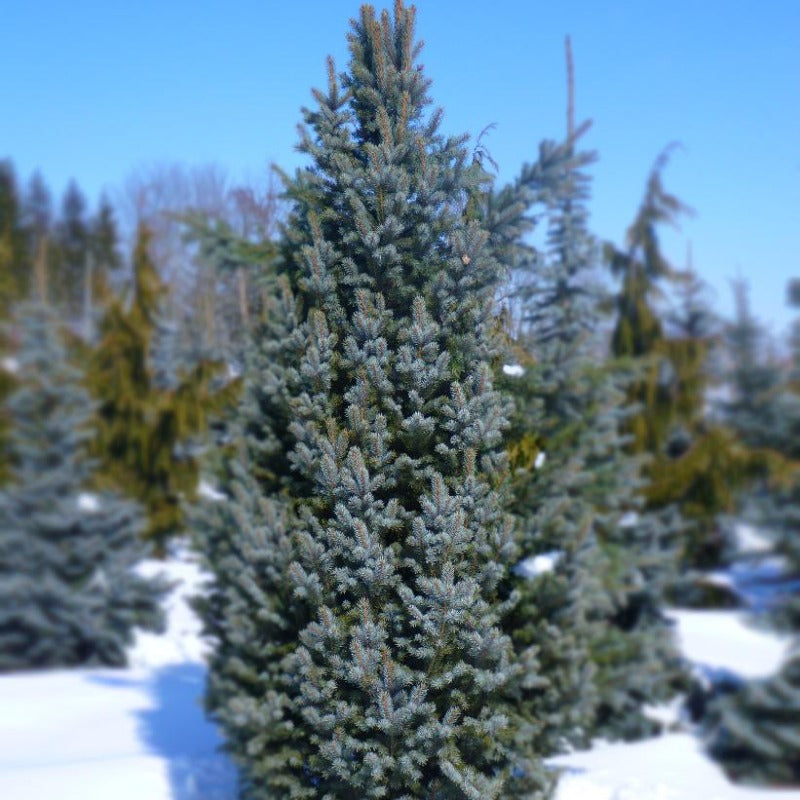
177, 730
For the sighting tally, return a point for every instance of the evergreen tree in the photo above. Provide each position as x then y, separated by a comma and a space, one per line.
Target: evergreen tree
14, 264
755, 732
638, 660
67, 591
361, 558
595, 618
754, 379
143, 427
639, 332
14, 282
37, 210
695, 464
551, 439
102, 265
72, 252
701, 464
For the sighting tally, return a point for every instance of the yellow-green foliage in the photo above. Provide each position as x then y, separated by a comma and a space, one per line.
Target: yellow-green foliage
705, 466
14, 270
140, 425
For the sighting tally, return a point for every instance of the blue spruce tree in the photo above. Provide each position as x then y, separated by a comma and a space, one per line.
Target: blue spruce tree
755, 732
360, 562
553, 437
592, 616
68, 594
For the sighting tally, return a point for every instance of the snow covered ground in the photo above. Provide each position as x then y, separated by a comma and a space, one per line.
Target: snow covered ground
140, 733
133, 734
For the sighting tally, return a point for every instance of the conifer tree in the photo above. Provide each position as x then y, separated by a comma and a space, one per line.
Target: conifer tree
594, 619
14, 264
37, 210
561, 607
696, 466
700, 465
14, 283
103, 261
558, 618
753, 378
72, 252
142, 425
755, 732
361, 558
67, 591
639, 331
638, 660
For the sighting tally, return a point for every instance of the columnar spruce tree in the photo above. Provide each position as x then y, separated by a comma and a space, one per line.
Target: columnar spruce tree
552, 437
359, 562
68, 594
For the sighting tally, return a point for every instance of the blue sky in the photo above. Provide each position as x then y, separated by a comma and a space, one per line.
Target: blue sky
92, 89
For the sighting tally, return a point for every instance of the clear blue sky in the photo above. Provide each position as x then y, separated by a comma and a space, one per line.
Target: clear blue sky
92, 88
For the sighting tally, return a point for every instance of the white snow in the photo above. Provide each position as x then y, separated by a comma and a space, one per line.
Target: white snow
725, 640
669, 767
721, 579
140, 733
182, 642
514, 370
538, 462
629, 519
750, 540
131, 734
668, 714
532, 566
205, 489
10, 364
88, 502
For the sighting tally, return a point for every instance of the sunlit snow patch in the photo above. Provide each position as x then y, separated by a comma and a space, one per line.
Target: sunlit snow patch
88, 502
514, 370
532, 566
205, 489
10, 364
628, 519
724, 640
750, 539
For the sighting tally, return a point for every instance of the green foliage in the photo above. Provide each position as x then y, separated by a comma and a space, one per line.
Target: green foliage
143, 428
595, 622
754, 380
14, 284
757, 731
71, 253
558, 617
361, 562
754, 732
694, 464
67, 591
638, 332
14, 265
